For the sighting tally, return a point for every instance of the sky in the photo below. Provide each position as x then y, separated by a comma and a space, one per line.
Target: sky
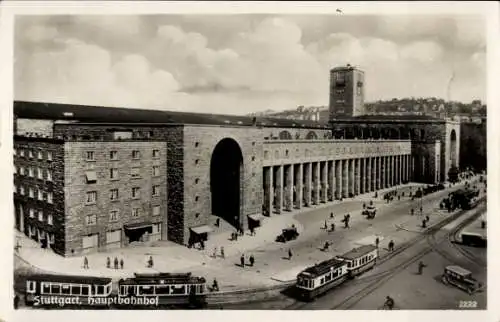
239, 64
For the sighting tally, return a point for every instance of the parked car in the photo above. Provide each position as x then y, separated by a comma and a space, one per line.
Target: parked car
287, 235
461, 278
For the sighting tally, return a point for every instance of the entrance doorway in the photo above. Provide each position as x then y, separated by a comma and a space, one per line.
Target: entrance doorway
138, 232
226, 176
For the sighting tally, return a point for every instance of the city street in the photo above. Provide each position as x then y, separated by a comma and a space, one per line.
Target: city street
398, 278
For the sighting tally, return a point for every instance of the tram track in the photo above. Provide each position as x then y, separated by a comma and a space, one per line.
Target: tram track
376, 280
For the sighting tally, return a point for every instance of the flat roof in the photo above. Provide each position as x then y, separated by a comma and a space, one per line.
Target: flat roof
324, 267
358, 252
117, 115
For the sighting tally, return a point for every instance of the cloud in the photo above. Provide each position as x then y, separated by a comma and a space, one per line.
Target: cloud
83, 73
264, 63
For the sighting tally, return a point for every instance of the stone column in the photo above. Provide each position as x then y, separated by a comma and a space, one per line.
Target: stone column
308, 183
410, 168
383, 177
289, 186
345, 178
338, 179
324, 181
352, 181
331, 180
357, 176
316, 182
368, 174
268, 190
380, 182
279, 189
400, 163
298, 185
362, 174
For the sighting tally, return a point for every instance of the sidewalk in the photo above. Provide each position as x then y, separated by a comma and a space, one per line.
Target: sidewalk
270, 267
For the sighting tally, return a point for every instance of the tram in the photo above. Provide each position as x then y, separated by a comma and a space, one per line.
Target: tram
42, 288
360, 259
319, 279
172, 290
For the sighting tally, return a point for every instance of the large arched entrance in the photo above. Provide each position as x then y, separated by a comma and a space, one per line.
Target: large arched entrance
226, 176
453, 148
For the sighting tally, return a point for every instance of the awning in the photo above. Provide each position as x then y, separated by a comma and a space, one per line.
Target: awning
138, 225
202, 229
256, 217
91, 176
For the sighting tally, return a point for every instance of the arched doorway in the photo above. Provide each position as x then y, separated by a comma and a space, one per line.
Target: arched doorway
453, 148
226, 176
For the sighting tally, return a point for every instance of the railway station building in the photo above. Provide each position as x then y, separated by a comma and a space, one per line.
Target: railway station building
90, 178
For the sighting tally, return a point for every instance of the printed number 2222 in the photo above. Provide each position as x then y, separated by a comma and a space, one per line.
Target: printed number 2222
467, 304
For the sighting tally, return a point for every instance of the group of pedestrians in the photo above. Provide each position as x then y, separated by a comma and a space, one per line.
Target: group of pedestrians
251, 260
222, 253
116, 263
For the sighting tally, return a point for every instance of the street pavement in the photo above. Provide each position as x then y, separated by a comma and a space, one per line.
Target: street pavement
272, 265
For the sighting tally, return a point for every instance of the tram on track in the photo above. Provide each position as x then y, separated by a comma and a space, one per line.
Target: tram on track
317, 280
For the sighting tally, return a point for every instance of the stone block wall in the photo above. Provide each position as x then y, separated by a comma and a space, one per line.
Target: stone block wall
199, 144
55, 186
76, 187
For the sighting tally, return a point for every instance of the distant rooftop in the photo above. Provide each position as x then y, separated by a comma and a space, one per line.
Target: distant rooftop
102, 114
346, 67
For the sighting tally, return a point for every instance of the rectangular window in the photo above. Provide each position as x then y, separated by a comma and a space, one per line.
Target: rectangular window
91, 220
91, 197
113, 215
40, 155
90, 156
156, 171
156, 191
136, 154
156, 210
114, 194
49, 156
31, 193
30, 154
31, 172
21, 190
135, 173
40, 215
113, 174
15, 169
156, 154
32, 213
136, 192
21, 171
113, 155
135, 212
40, 195
49, 197
15, 151
123, 135
49, 175
40, 173
21, 152
50, 219
15, 188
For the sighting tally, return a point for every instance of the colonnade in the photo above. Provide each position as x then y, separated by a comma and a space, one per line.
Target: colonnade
296, 185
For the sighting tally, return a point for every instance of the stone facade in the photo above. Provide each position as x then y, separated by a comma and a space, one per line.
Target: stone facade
46, 155
130, 173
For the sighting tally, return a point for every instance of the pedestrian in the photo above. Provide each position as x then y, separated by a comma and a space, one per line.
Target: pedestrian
222, 252
116, 263
108, 262
289, 254
215, 286
217, 222
327, 245
421, 266
399, 198
150, 262
424, 223
427, 218
389, 303
215, 252
85, 263
332, 227
391, 245
242, 260
202, 245
16, 302
121, 263
252, 231
331, 215
377, 242
252, 260
242, 232
412, 211
346, 222
326, 226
